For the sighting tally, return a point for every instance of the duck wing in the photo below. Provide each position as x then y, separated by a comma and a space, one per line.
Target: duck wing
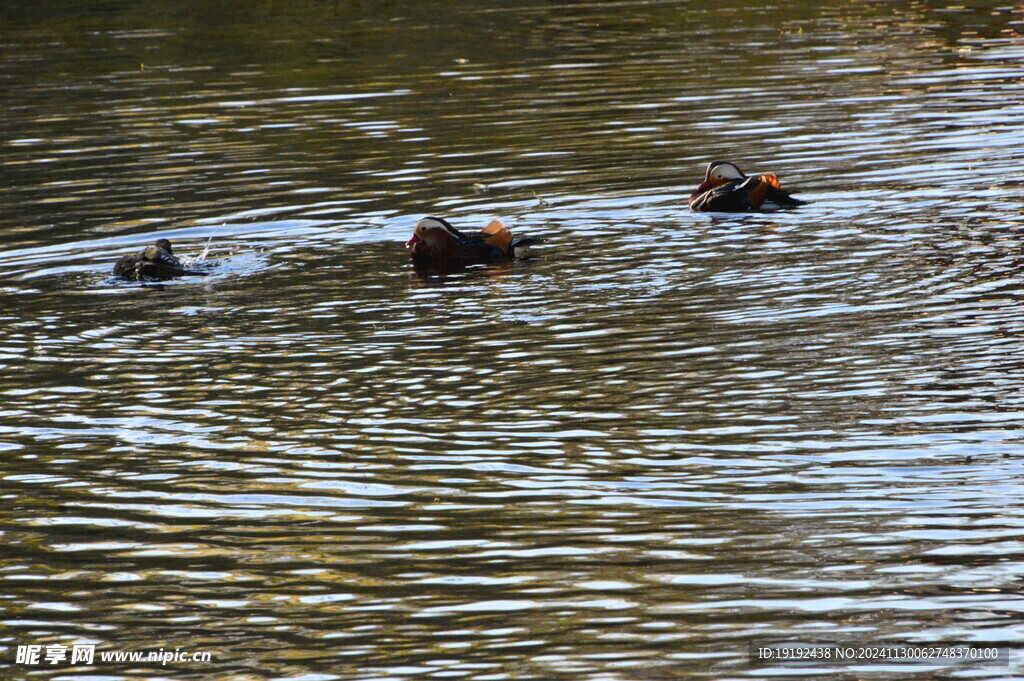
127, 266
776, 194
731, 197
493, 242
521, 245
497, 235
476, 249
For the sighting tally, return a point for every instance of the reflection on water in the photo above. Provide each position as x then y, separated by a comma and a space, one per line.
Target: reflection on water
667, 435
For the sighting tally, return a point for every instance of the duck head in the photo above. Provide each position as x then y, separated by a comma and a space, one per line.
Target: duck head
160, 252
434, 239
717, 174
152, 253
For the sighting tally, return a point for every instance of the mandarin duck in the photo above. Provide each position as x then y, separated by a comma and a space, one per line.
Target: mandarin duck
726, 189
436, 243
156, 261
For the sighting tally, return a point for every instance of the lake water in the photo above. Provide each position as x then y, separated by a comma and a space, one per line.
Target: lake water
666, 437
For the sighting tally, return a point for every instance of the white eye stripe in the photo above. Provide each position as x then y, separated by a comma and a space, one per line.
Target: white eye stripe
428, 225
727, 171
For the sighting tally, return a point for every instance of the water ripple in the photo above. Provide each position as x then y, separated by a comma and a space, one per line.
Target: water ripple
664, 437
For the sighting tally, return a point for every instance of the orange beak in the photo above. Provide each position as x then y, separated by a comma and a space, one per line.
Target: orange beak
414, 240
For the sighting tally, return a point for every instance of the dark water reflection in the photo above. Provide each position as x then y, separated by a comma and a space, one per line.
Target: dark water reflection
667, 436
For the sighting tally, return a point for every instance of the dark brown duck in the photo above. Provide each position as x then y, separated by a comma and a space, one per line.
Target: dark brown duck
156, 261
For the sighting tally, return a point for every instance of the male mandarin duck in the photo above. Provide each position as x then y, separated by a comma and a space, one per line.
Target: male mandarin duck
727, 189
436, 242
156, 261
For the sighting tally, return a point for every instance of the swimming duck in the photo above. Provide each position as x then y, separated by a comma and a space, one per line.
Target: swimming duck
156, 261
726, 189
436, 242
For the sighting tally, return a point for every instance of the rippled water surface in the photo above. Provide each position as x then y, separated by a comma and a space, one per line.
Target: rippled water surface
665, 437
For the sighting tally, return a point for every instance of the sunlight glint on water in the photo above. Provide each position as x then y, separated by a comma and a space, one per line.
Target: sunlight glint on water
667, 436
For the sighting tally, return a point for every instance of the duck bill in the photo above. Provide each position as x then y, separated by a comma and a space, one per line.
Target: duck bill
413, 241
